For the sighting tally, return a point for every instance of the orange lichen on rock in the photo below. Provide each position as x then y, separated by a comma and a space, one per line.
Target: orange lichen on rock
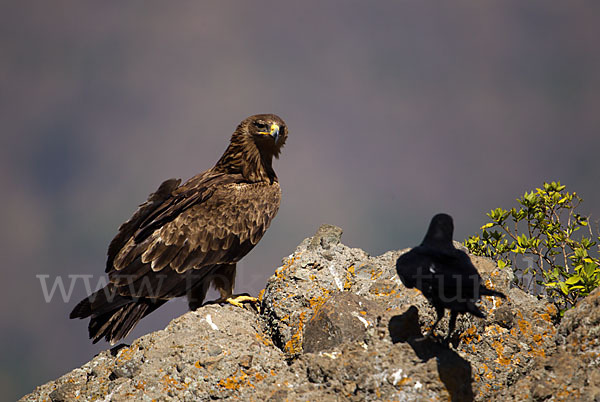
317, 301
126, 354
564, 394
500, 352
402, 381
375, 273
483, 371
170, 382
495, 302
383, 289
261, 294
524, 325
495, 329
551, 309
470, 335
263, 339
236, 382
349, 278
294, 345
279, 273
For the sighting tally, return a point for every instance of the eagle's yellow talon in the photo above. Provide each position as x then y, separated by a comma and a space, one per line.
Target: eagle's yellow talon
238, 300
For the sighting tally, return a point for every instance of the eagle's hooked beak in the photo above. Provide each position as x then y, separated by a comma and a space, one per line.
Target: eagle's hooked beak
274, 131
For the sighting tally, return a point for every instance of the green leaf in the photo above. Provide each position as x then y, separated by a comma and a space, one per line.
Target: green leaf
589, 268
573, 280
563, 288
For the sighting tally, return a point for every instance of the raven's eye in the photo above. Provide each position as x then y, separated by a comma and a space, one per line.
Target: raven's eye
261, 126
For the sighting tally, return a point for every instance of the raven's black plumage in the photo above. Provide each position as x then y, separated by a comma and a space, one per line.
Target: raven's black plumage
445, 275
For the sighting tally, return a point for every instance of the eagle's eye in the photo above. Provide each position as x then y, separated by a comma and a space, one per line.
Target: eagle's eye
260, 125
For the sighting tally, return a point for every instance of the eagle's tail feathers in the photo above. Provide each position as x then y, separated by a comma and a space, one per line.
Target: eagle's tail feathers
113, 317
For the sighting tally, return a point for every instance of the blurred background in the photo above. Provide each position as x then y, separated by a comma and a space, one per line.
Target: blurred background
396, 110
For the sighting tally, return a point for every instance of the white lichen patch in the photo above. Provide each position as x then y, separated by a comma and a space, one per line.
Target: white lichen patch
361, 319
397, 376
211, 323
336, 279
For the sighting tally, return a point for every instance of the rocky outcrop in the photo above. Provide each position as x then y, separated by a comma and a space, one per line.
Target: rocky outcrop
337, 324
571, 371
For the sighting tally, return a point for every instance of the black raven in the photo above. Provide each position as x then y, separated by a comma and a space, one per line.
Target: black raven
445, 275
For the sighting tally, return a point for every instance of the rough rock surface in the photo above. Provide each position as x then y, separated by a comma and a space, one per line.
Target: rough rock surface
337, 324
572, 370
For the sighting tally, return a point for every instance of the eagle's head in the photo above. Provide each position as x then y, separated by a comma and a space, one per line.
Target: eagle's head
254, 143
267, 131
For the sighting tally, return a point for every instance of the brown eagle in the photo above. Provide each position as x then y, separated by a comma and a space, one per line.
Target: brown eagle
186, 237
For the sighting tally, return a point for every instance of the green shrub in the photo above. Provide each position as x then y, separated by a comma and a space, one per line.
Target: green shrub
542, 232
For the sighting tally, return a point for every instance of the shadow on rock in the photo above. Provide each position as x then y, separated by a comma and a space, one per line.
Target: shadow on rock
454, 371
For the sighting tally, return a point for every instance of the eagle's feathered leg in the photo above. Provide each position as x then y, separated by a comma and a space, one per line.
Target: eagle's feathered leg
224, 281
196, 294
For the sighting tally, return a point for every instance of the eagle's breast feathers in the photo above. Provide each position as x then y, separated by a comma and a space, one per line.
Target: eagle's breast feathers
233, 217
